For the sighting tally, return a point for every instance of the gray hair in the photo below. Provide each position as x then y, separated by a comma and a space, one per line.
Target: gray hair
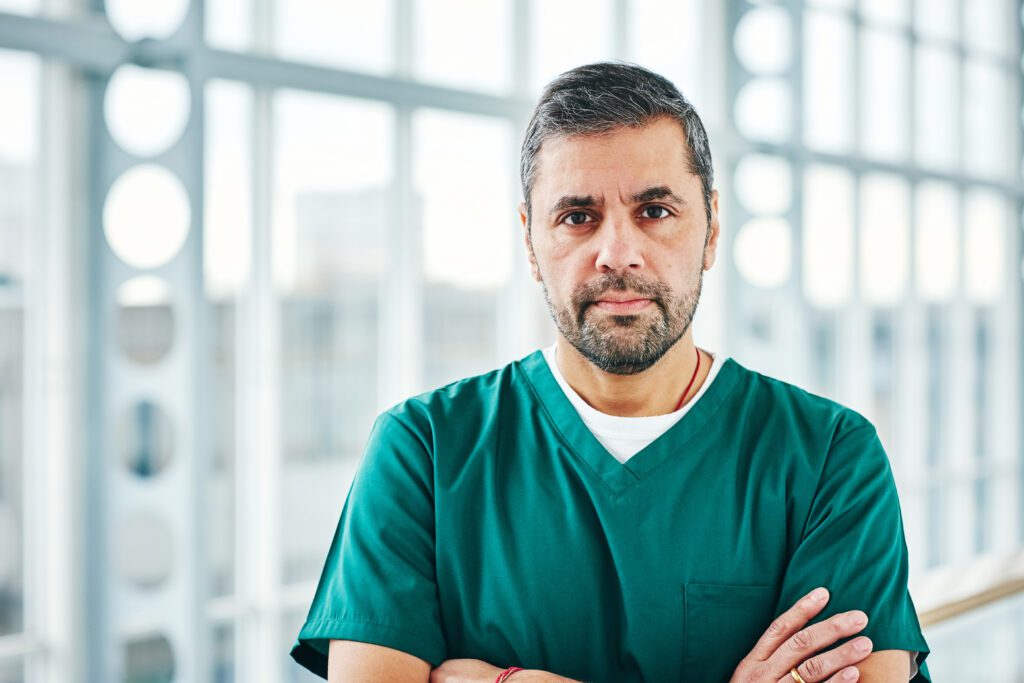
595, 98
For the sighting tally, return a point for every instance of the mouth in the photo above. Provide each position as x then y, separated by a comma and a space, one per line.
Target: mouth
623, 306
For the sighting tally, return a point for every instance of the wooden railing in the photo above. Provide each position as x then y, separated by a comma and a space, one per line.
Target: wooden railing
955, 608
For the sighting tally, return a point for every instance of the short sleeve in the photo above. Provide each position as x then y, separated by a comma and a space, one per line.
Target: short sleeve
379, 580
853, 544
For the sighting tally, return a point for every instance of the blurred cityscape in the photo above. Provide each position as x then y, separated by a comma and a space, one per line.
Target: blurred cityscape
233, 232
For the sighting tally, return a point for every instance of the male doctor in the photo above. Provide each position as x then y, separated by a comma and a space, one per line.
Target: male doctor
622, 506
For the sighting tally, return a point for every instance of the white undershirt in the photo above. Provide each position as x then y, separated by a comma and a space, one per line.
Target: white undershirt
624, 437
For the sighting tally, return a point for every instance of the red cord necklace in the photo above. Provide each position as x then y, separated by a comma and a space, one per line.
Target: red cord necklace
680, 405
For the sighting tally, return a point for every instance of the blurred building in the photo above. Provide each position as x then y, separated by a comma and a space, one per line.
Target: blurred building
234, 231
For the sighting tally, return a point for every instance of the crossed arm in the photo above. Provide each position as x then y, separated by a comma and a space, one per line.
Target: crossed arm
786, 644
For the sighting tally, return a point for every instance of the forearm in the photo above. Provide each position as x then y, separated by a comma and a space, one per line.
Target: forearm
538, 676
479, 671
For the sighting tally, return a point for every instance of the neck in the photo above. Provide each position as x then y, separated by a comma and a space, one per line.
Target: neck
655, 391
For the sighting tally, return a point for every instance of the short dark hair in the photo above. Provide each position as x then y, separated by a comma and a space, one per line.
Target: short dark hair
595, 98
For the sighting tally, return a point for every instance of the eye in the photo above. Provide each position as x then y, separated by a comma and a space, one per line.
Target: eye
575, 218
652, 212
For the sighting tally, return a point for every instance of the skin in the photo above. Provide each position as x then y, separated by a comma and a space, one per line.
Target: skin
660, 246
618, 244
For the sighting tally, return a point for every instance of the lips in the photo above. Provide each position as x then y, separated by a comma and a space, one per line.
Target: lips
623, 305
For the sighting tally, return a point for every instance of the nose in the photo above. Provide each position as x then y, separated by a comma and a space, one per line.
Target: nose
619, 246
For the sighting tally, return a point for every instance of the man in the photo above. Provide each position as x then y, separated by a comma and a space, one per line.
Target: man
622, 506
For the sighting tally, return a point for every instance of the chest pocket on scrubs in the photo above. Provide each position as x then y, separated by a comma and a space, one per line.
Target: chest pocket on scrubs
723, 622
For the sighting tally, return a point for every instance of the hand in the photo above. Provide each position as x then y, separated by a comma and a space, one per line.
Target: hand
479, 671
465, 671
784, 646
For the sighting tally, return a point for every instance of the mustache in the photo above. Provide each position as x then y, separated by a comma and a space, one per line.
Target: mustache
586, 295
591, 292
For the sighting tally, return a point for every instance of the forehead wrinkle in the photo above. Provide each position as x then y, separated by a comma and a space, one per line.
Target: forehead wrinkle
576, 201
653, 193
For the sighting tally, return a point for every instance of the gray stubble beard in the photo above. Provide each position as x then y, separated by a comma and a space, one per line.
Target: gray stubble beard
597, 341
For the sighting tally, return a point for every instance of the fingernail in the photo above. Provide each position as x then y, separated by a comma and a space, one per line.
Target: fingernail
819, 594
850, 674
856, 618
863, 645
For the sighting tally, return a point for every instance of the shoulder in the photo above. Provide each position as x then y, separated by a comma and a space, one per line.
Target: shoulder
460, 402
775, 399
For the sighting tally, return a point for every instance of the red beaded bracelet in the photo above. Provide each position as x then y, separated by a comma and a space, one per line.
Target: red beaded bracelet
506, 673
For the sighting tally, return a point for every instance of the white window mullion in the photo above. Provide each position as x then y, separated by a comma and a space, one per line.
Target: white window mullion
258, 451
53, 605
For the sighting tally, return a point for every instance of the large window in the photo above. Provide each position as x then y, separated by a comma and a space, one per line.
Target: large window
250, 250
880, 147
19, 194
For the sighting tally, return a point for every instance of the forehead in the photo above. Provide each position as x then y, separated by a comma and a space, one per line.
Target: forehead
626, 156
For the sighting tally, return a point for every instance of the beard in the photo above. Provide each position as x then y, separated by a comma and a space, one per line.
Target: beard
625, 344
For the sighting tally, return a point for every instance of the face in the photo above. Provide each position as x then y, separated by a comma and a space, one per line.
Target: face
617, 241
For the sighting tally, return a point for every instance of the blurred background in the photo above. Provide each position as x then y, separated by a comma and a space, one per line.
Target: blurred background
233, 231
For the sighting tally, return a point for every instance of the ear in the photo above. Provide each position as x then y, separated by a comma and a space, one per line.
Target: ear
524, 219
712, 246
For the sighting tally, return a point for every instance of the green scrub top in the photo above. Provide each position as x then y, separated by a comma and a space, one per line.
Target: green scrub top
486, 521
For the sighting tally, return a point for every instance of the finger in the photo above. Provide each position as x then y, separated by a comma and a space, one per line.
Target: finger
847, 675
820, 667
788, 623
806, 643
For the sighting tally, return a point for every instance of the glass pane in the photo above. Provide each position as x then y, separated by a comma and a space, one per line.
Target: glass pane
833, 4
137, 20
19, 158
885, 101
884, 238
937, 19
147, 215
12, 579
21, 6
937, 357
763, 41
293, 672
333, 201
12, 671
989, 26
344, 34
936, 244
989, 120
883, 375
937, 526
982, 644
763, 252
444, 38
764, 183
468, 237
763, 110
223, 659
146, 110
229, 24
828, 236
988, 217
679, 60
148, 659
828, 73
565, 34
938, 98
19, 150
227, 238
822, 327
891, 12
982, 350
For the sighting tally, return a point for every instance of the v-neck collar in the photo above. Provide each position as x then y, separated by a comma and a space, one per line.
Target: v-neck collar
617, 476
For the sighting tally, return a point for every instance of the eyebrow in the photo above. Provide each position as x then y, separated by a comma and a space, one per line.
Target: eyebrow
571, 201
